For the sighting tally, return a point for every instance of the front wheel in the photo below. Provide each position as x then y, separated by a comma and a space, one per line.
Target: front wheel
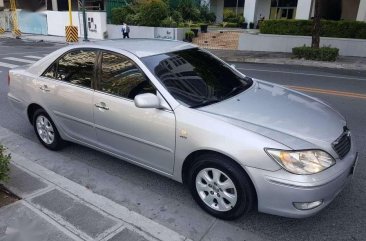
221, 187
46, 130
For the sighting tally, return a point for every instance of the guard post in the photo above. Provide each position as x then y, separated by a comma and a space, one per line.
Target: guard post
72, 34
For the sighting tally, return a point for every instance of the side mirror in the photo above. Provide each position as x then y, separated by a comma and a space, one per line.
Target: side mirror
147, 100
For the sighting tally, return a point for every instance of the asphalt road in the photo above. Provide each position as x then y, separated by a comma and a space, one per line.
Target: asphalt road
169, 202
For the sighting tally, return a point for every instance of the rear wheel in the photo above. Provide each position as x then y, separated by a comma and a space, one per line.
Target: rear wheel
46, 130
220, 187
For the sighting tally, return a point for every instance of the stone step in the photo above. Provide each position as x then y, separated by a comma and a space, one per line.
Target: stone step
218, 40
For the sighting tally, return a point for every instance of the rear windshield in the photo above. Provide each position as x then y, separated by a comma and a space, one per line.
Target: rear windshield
195, 78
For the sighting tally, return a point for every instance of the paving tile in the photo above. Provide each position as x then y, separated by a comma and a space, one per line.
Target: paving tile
79, 215
127, 235
20, 223
225, 231
22, 184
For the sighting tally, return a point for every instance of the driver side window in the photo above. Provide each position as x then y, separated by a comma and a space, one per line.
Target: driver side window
120, 76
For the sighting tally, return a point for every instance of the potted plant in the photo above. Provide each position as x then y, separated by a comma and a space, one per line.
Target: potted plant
203, 27
194, 29
251, 25
189, 35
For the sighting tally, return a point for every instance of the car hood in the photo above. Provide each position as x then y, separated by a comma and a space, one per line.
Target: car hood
281, 114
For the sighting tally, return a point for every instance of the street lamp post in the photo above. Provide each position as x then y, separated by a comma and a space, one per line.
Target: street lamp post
84, 22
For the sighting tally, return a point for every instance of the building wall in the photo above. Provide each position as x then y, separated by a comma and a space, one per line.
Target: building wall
350, 9
249, 10
303, 9
361, 16
58, 20
263, 9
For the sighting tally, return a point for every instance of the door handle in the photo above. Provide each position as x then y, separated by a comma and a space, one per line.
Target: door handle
44, 88
102, 106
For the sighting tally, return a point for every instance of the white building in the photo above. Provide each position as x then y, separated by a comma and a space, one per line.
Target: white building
253, 10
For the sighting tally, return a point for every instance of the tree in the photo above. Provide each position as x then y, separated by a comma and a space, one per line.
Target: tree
315, 41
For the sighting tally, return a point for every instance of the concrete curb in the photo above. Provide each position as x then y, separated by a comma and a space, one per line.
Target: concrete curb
299, 62
115, 210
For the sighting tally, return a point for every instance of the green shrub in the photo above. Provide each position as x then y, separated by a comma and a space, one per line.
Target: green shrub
231, 17
176, 16
205, 15
229, 25
321, 54
152, 12
4, 164
329, 28
169, 22
189, 35
189, 10
119, 15
228, 14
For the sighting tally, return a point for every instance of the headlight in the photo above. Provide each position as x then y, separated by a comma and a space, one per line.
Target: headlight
302, 162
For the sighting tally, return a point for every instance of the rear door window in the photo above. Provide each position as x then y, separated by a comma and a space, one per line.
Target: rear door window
76, 67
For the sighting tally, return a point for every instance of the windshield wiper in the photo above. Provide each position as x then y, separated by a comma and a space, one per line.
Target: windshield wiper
205, 102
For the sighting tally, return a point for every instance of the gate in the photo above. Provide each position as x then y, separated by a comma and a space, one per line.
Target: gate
32, 22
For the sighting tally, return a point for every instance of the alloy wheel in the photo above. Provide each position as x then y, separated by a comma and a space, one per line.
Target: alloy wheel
45, 129
216, 189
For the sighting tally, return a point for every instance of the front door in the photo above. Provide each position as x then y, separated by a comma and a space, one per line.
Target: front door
65, 90
144, 136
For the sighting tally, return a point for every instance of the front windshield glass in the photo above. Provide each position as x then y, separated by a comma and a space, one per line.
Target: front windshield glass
196, 78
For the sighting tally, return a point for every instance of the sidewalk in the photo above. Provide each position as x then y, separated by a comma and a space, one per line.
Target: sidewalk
238, 56
55, 208
42, 38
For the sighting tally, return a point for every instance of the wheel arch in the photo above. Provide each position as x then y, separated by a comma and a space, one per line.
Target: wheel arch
191, 158
31, 110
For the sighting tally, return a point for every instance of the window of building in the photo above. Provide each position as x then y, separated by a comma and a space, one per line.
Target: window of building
284, 3
120, 76
76, 67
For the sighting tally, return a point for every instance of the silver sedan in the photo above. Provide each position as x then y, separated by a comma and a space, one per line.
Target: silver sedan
168, 106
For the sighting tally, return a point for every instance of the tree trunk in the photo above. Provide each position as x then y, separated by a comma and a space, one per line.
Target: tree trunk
315, 42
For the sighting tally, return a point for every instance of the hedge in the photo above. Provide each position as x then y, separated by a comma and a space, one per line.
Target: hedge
329, 28
321, 54
4, 164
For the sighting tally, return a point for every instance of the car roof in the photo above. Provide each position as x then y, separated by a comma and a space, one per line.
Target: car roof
146, 47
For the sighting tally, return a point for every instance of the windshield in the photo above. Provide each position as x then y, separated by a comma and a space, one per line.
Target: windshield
195, 78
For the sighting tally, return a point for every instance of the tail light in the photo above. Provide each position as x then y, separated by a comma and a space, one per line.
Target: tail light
8, 79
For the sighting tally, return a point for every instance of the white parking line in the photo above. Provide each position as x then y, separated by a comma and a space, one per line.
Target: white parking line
20, 60
300, 73
6, 65
33, 57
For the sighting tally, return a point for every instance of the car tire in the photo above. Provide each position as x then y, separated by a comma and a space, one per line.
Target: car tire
46, 130
230, 186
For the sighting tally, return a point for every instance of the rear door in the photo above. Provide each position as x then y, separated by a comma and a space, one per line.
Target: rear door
145, 136
66, 91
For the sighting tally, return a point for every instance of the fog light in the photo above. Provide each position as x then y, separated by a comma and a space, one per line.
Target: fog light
308, 206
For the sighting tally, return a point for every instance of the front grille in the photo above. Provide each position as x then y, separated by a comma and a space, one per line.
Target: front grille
343, 144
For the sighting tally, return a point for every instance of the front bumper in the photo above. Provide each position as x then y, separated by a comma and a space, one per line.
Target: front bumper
278, 191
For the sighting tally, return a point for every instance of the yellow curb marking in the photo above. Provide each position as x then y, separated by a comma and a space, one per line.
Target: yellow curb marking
328, 92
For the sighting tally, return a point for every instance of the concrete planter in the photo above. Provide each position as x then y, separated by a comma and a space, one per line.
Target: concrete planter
114, 32
285, 43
